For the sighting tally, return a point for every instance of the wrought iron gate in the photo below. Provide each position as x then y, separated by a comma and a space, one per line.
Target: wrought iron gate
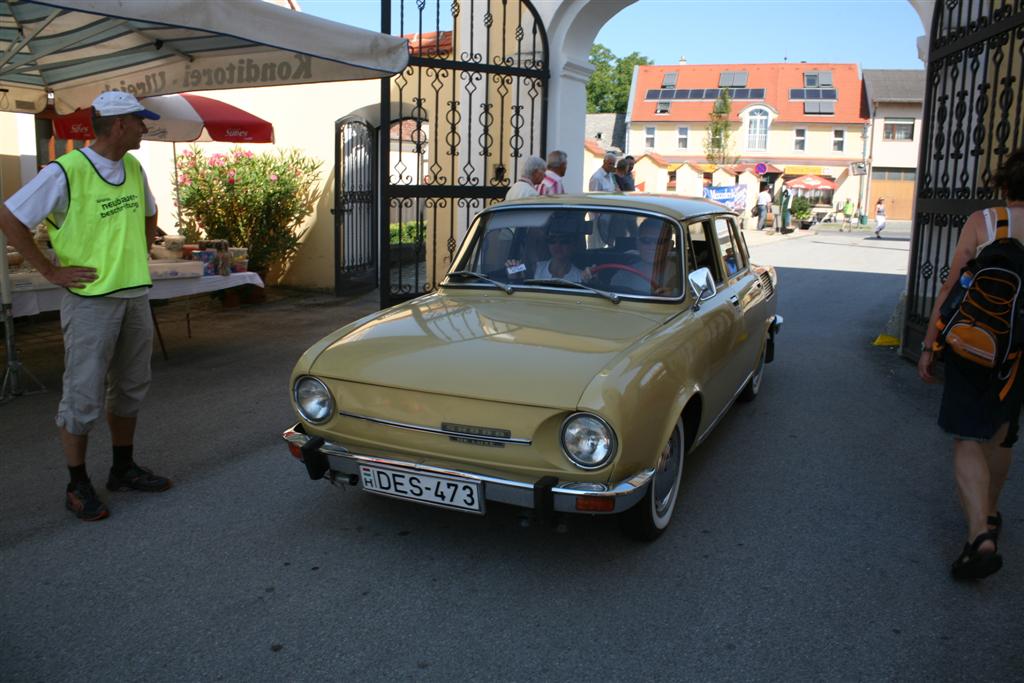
973, 117
468, 110
355, 206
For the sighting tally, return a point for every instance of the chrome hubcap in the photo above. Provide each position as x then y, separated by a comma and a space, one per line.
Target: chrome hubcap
666, 476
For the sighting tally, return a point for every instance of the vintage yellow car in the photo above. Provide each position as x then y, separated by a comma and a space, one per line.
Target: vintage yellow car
578, 348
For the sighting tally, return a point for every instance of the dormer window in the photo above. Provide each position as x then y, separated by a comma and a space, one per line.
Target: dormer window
662, 107
757, 129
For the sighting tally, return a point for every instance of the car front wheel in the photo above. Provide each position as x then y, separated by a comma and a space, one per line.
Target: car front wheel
650, 517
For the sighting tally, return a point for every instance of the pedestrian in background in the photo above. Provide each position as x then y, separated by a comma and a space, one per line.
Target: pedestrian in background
551, 183
623, 180
847, 215
879, 217
530, 177
603, 179
983, 425
764, 206
103, 219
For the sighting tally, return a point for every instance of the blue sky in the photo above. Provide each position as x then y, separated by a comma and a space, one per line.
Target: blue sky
876, 34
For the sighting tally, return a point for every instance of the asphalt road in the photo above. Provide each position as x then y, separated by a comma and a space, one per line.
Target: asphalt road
812, 539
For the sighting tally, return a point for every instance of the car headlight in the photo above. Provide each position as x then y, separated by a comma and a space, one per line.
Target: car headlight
313, 400
587, 440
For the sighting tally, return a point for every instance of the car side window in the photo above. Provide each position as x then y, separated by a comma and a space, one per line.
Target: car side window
732, 253
703, 250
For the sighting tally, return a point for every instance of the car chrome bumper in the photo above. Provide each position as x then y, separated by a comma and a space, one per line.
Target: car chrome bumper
545, 495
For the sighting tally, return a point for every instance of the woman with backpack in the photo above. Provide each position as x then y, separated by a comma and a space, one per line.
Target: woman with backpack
980, 409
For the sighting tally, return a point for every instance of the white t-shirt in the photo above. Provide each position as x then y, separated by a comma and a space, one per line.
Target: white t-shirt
543, 272
520, 189
48, 193
603, 181
764, 198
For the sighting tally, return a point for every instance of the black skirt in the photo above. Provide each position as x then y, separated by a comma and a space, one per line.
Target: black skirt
971, 408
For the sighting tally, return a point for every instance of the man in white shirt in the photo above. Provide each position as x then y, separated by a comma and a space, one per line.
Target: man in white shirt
102, 219
764, 205
558, 161
603, 179
529, 179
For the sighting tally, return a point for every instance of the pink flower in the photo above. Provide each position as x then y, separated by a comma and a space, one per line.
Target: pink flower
184, 179
273, 177
218, 160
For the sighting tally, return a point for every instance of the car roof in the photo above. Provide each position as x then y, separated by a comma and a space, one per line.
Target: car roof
677, 205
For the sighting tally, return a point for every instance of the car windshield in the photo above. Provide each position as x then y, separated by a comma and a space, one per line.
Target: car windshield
618, 252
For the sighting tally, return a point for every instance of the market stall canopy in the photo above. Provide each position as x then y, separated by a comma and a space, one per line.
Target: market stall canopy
76, 49
811, 182
183, 118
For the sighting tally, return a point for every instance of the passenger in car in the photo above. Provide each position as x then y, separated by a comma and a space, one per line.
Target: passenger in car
561, 245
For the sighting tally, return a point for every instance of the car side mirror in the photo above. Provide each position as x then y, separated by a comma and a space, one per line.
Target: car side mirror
702, 283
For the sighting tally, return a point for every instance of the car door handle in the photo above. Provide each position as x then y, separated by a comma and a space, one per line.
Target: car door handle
735, 300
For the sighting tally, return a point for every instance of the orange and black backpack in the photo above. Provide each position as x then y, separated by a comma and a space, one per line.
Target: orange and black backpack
982, 321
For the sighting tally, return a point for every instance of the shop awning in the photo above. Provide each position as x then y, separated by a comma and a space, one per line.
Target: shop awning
811, 182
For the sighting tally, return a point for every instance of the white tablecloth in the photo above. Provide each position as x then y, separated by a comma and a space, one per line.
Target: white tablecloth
32, 301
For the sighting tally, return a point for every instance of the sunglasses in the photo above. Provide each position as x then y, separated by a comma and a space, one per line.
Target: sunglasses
559, 239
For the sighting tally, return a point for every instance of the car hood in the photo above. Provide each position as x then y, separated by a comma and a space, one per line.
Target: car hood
528, 348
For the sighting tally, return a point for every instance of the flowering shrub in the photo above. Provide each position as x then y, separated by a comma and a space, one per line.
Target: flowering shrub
256, 201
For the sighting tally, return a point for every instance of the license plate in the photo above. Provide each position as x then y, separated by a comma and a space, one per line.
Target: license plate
448, 492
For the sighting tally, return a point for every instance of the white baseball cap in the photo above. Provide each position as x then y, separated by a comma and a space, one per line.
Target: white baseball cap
118, 103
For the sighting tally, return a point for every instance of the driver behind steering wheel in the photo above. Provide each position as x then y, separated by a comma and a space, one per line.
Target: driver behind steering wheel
655, 273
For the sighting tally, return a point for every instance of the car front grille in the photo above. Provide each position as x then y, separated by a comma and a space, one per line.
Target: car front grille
766, 282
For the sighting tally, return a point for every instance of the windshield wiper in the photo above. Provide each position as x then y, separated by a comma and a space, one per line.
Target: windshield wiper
480, 276
614, 298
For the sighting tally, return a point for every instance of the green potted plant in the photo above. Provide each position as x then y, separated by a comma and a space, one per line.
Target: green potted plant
800, 207
256, 201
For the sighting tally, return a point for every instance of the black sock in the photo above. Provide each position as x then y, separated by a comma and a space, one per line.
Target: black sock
122, 459
78, 476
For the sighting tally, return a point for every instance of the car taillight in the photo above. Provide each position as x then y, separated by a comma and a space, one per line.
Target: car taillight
296, 450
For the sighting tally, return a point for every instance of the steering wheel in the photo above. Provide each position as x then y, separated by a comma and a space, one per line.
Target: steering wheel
628, 269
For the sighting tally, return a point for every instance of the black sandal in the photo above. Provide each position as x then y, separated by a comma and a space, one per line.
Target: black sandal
976, 565
996, 524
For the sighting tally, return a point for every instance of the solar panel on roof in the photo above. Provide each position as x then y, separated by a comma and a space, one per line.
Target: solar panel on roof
757, 93
824, 78
667, 94
741, 93
812, 94
796, 93
652, 94
711, 93
829, 94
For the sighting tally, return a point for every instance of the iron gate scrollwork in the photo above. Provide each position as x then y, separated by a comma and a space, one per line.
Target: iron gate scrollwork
465, 113
973, 116
355, 206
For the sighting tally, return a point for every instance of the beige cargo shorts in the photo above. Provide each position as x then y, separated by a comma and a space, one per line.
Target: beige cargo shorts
108, 344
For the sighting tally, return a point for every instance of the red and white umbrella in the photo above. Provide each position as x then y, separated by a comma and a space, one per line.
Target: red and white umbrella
811, 182
183, 118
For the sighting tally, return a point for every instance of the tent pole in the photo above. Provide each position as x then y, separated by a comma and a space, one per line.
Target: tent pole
11, 384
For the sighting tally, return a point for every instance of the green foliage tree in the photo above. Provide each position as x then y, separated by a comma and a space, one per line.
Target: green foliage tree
717, 143
608, 87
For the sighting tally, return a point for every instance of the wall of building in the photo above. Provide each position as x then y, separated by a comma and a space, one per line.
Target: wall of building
895, 153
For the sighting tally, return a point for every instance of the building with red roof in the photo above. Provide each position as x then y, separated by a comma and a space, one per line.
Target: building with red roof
797, 119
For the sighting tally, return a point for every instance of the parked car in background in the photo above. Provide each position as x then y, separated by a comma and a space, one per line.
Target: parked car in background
577, 350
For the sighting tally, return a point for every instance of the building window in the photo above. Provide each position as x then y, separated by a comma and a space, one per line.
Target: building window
649, 137
669, 80
732, 79
898, 129
800, 142
684, 137
757, 129
662, 107
838, 140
